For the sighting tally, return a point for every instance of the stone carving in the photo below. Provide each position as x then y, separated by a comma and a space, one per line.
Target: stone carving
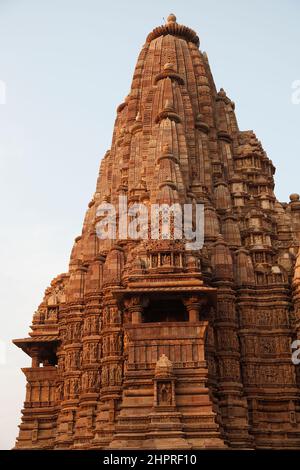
215, 352
115, 315
105, 380
164, 367
164, 393
60, 391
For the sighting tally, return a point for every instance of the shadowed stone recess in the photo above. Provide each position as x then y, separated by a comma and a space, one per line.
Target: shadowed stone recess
144, 344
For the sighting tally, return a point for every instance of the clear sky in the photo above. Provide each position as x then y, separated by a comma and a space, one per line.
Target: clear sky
66, 65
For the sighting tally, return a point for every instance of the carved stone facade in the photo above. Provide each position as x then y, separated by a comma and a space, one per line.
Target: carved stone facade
144, 344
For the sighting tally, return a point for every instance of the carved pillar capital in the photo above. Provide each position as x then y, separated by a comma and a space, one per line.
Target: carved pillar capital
35, 356
193, 305
134, 306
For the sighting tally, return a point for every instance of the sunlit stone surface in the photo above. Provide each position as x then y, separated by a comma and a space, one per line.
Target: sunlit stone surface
143, 344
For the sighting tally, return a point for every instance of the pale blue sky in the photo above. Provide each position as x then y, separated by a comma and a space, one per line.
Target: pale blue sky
67, 64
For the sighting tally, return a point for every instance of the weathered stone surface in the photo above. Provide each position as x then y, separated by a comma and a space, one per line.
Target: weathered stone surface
147, 345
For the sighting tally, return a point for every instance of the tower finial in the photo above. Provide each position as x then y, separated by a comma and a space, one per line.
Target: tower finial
171, 18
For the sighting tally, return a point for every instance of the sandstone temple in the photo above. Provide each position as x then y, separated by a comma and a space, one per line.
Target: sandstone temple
145, 344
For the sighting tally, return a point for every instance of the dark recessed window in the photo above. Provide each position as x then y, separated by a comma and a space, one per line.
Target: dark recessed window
171, 310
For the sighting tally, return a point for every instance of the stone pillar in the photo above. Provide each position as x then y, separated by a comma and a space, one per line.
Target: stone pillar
135, 308
35, 356
193, 305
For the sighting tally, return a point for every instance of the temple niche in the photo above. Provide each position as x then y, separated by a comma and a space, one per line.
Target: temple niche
164, 383
149, 344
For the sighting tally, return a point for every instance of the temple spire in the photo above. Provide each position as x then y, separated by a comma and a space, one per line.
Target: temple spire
151, 341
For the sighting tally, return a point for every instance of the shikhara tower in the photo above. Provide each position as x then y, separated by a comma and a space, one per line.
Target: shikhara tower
147, 345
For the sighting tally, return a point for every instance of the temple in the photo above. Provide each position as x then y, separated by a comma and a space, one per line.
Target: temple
145, 344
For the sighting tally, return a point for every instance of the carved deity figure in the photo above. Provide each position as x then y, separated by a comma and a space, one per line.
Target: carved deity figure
104, 376
164, 393
166, 259
154, 261
60, 391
